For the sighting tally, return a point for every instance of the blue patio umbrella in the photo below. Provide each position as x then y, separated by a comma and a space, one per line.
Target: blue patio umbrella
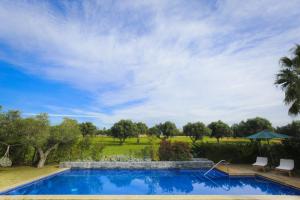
267, 135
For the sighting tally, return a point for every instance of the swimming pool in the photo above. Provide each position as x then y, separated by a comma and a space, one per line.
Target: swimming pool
150, 182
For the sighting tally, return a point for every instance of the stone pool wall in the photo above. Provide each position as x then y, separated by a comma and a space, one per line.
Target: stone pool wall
140, 165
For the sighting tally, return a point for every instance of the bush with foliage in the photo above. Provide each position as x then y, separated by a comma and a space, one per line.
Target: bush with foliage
292, 129
165, 150
246, 152
83, 149
153, 146
175, 151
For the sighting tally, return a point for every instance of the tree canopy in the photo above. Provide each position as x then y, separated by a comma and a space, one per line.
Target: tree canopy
196, 131
292, 129
219, 129
88, 128
38, 134
251, 126
166, 130
288, 79
10, 127
123, 129
142, 129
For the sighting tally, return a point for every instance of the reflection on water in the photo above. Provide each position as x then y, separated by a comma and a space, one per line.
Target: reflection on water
152, 182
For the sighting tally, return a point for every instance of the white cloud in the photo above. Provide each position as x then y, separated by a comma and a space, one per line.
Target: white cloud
187, 62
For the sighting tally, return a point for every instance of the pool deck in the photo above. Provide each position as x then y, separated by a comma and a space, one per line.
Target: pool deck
151, 197
232, 170
244, 170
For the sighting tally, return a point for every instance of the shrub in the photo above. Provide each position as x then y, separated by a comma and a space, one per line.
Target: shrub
84, 149
235, 153
153, 146
165, 150
246, 153
177, 151
181, 151
96, 151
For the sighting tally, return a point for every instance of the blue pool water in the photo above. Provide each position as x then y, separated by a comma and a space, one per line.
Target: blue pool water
151, 182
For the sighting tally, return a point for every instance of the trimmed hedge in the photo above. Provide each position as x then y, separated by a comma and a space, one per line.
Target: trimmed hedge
174, 151
246, 153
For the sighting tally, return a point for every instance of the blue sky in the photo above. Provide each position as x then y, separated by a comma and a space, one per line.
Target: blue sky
150, 61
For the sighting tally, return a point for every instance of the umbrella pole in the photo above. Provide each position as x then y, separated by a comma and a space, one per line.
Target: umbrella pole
271, 157
259, 147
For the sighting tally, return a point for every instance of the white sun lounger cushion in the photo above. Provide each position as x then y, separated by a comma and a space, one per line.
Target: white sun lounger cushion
261, 161
286, 164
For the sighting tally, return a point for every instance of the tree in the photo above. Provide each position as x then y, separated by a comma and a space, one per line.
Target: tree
166, 130
123, 129
219, 129
154, 131
288, 79
10, 127
88, 128
38, 133
196, 131
292, 129
10, 134
251, 126
142, 129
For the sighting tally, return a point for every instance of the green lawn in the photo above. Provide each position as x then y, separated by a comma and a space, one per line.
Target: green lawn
17, 175
112, 146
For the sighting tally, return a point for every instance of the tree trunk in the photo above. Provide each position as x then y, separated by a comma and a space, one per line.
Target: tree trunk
34, 157
42, 161
218, 139
120, 141
43, 155
138, 139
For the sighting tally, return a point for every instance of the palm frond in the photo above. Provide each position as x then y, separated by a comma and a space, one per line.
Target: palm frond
295, 108
286, 62
296, 50
288, 79
290, 94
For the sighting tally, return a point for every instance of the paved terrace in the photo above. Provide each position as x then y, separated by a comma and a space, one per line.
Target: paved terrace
283, 178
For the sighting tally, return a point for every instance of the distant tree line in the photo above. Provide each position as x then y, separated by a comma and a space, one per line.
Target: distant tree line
37, 132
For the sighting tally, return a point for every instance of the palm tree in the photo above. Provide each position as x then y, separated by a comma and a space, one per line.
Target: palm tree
289, 80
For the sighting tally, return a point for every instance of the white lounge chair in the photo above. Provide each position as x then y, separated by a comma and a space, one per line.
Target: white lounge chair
261, 162
286, 165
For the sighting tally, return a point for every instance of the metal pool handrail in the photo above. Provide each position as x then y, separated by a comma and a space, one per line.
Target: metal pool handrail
214, 167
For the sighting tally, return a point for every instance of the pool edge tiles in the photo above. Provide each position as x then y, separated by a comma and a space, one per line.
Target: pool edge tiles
151, 197
32, 180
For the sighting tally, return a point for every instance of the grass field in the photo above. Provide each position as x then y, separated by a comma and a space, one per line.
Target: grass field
112, 146
15, 175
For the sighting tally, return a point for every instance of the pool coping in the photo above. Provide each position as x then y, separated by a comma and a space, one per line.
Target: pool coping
152, 197
29, 181
146, 197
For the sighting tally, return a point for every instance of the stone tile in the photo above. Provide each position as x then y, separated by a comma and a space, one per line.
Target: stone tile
271, 174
